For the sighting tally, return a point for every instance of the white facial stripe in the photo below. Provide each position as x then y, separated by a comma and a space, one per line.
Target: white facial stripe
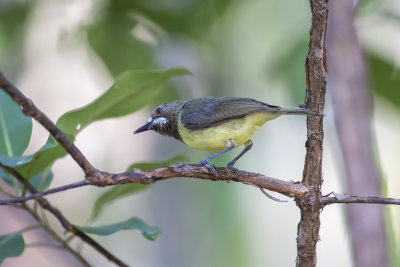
160, 121
150, 119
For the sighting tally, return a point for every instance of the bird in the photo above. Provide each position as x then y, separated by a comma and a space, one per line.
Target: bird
215, 123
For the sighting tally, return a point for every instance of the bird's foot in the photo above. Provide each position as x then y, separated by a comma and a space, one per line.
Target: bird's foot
208, 166
233, 169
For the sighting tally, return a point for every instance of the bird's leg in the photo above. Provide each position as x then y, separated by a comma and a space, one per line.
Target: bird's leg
229, 146
247, 147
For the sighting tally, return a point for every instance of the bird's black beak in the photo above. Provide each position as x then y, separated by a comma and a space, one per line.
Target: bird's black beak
145, 127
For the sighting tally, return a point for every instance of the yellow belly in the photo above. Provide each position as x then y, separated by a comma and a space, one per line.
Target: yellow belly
215, 138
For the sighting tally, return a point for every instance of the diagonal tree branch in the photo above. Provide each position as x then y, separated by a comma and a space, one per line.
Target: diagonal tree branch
30, 109
308, 229
64, 222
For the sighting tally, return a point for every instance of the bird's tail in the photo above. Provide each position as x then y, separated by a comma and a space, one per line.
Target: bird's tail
301, 111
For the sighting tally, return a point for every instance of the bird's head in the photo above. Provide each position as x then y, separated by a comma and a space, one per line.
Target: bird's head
164, 120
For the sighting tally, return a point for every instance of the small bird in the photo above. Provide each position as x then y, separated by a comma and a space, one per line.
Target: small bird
215, 123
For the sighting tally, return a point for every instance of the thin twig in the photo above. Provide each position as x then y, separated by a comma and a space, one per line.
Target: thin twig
6, 193
47, 245
64, 222
355, 199
49, 230
267, 194
30, 228
29, 108
271, 197
44, 193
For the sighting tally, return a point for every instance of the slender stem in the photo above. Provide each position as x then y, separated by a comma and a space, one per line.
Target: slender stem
48, 229
69, 238
7, 193
30, 228
48, 245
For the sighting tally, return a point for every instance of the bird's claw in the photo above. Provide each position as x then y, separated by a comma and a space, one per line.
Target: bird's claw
208, 166
233, 169
211, 168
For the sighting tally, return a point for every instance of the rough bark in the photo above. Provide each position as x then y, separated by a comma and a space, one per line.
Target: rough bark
308, 228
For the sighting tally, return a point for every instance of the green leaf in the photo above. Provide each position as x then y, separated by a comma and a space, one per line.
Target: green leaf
134, 223
125, 190
11, 245
111, 38
30, 165
385, 79
41, 181
43, 158
15, 127
8, 178
131, 91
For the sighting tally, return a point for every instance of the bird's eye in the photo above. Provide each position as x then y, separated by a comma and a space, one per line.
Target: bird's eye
158, 111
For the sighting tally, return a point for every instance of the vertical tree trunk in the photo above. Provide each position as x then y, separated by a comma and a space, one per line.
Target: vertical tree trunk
308, 228
352, 108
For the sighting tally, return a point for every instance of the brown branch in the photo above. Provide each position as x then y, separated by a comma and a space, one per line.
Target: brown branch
29, 109
356, 199
289, 189
64, 222
308, 228
352, 109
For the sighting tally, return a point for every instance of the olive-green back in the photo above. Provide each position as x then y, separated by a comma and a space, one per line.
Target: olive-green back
200, 113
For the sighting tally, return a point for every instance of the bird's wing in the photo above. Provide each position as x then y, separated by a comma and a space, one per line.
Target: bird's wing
207, 112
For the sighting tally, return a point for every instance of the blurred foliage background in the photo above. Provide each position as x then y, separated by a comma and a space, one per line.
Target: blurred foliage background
63, 54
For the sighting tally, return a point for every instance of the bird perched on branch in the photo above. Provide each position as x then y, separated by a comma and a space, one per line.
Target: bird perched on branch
215, 123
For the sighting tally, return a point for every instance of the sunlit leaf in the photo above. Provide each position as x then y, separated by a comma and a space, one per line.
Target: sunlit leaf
124, 190
11, 245
134, 223
15, 127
